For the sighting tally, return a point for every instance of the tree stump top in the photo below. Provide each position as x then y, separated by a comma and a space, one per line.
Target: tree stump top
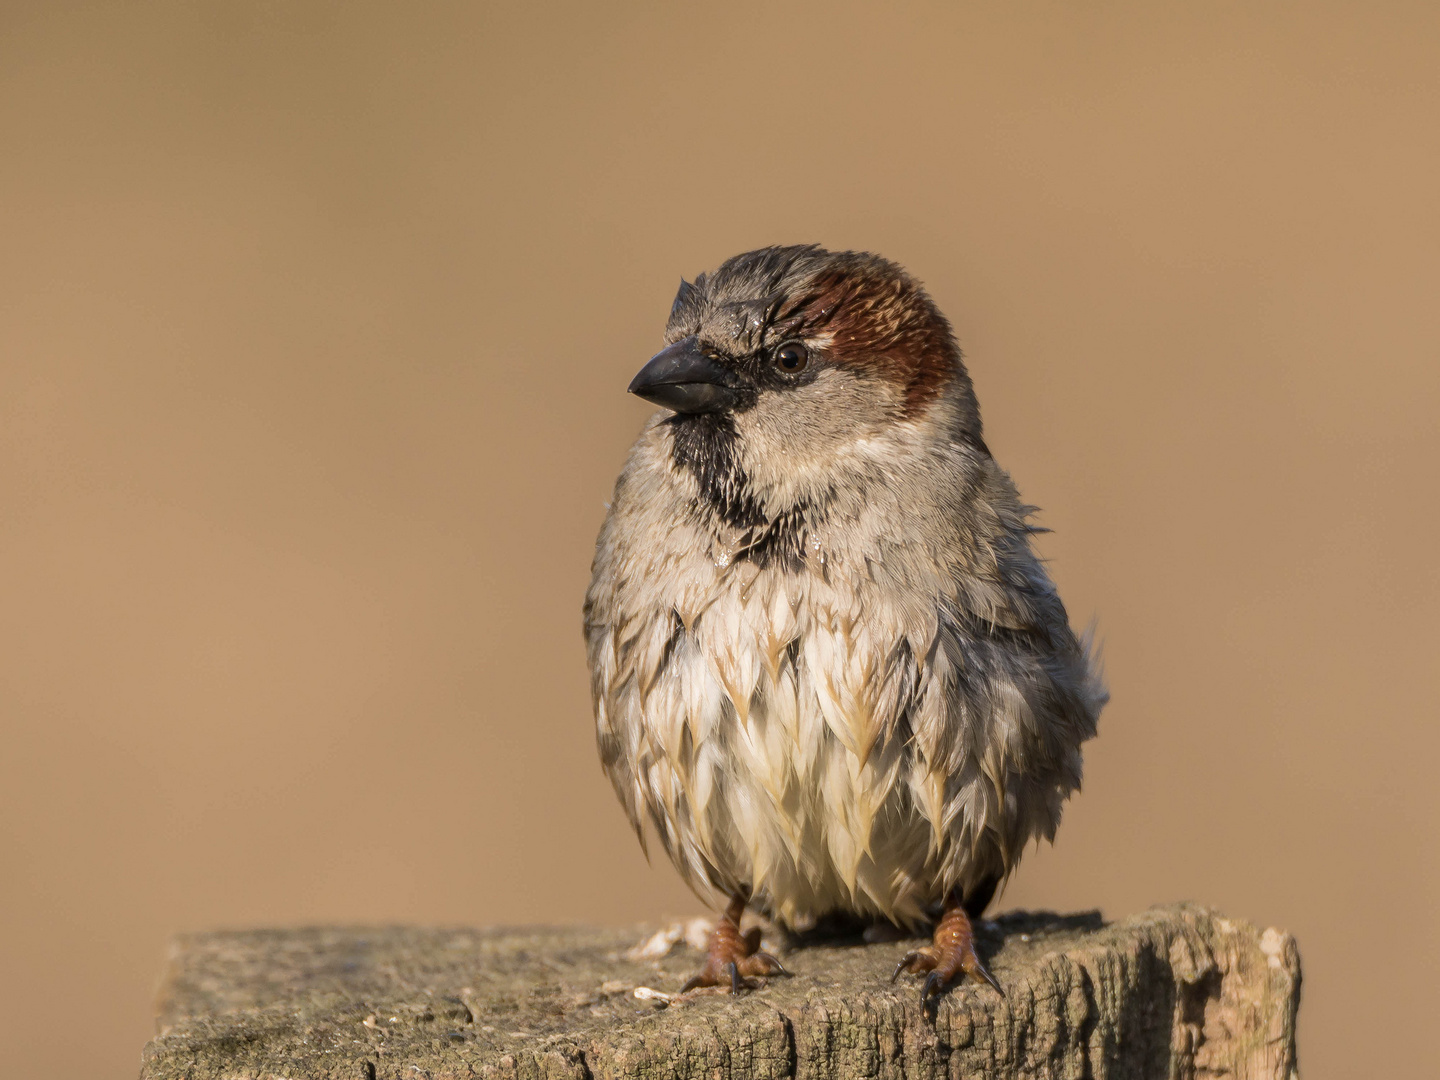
1176, 991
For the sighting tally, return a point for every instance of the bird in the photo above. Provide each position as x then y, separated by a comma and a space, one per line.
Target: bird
830, 675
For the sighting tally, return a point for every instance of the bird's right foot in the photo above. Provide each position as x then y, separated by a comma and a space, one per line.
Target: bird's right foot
951, 954
732, 958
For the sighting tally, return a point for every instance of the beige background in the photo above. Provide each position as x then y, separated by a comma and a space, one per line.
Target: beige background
315, 323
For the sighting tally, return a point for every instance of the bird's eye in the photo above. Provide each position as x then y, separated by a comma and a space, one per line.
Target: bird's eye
792, 357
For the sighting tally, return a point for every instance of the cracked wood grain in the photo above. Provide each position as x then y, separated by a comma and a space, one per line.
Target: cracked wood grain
1176, 992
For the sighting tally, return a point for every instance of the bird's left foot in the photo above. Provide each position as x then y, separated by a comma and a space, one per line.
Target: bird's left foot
731, 957
951, 953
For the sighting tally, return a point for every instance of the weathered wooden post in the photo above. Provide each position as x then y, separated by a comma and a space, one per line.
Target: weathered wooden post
1176, 991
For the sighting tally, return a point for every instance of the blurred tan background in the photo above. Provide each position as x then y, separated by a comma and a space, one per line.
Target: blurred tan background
315, 325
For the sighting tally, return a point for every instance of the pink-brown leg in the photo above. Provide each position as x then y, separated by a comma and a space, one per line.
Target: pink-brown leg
730, 956
951, 953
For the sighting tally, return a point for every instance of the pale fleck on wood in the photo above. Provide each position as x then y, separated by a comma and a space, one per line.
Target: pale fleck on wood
1176, 992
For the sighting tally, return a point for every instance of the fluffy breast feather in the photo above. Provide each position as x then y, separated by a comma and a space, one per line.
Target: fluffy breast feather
894, 718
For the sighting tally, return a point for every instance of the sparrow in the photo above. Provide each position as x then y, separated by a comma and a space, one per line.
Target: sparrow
829, 673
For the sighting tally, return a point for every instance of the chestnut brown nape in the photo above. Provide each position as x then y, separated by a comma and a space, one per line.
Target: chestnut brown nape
876, 315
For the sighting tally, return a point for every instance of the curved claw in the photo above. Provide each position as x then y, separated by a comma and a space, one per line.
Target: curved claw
903, 965
984, 973
930, 992
736, 983
692, 983
776, 968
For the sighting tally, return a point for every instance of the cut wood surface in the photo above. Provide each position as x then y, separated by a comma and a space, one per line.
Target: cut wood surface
1176, 991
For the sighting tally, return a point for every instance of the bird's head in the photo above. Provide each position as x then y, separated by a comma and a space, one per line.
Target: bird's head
796, 355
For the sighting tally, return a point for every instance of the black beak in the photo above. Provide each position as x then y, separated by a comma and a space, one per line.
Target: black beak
684, 378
